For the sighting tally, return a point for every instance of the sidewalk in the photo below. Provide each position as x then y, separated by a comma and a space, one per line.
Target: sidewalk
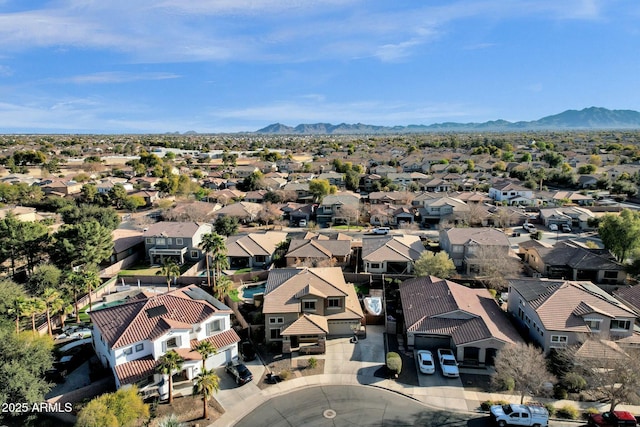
356, 364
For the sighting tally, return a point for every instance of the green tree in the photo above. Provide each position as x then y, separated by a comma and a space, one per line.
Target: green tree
170, 270
252, 182
206, 349
319, 188
132, 203
438, 265
89, 193
222, 288
212, 243
17, 310
226, 225
169, 363
123, 408
80, 244
206, 383
23, 360
620, 234
53, 303
44, 276
394, 363
118, 195
105, 216
22, 240
32, 308
9, 292
523, 366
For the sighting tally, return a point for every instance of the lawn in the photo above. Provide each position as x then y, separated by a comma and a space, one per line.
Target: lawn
233, 294
348, 227
243, 270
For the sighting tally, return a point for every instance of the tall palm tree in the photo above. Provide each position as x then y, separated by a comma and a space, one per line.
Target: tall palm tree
206, 383
212, 243
168, 363
221, 262
170, 270
206, 349
53, 303
33, 307
18, 309
222, 288
91, 281
75, 283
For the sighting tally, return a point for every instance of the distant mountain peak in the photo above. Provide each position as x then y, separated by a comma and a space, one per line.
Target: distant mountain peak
587, 118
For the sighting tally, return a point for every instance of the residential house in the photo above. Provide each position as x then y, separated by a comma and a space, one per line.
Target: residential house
333, 177
575, 216
371, 182
437, 185
574, 197
107, 184
21, 213
246, 212
256, 196
391, 253
179, 241
126, 243
393, 197
435, 210
572, 260
559, 313
511, 193
339, 208
302, 307
441, 313
470, 248
149, 196
243, 171
316, 250
253, 250
130, 338
302, 191
62, 187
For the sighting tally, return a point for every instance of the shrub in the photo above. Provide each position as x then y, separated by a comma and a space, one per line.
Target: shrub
312, 362
559, 392
394, 362
568, 412
590, 411
487, 404
285, 374
550, 408
574, 382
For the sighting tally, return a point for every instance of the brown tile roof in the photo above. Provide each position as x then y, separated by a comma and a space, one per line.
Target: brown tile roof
402, 248
483, 236
172, 229
135, 370
439, 306
299, 248
220, 340
254, 244
600, 350
135, 321
629, 295
307, 324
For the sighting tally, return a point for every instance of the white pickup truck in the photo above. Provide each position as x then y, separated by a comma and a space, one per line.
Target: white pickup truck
448, 363
519, 415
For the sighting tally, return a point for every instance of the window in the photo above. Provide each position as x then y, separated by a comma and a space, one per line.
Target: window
274, 333
375, 265
214, 326
610, 274
139, 347
128, 351
558, 340
620, 324
169, 241
194, 254
276, 320
334, 303
149, 241
260, 258
593, 324
179, 241
161, 241
309, 305
171, 343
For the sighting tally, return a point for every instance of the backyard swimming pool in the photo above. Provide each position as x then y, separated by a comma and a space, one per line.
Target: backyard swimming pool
248, 291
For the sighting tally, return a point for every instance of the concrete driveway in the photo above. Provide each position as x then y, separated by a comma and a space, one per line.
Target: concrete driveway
230, 393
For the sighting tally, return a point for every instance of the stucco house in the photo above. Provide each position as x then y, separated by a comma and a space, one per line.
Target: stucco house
390, 253
130, 338
304, 306
511, 193
559, 313
179, 241
319, 250
254, 249
464, 245
441, 313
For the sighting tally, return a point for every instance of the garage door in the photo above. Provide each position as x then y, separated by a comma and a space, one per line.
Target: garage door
431, 342
340, 327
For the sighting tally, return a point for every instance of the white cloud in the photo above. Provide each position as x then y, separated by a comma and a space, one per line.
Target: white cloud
115, 77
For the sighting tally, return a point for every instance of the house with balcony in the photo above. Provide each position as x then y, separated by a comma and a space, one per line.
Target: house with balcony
435, 210
511, 193
179, 241
469, 248
304, 306
339, 208
130, 338
560, 313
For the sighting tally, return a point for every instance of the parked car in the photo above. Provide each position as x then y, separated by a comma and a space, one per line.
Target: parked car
553, 227
248, 351
381, 230
448, 363
240, 373
566, 228
530, 228
425, 362
519, 415
302, 223
612, 419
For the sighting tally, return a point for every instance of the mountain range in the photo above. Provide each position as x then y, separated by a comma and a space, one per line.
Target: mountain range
589, 119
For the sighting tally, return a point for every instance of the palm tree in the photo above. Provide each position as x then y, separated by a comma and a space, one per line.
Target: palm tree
33, 307
91, 282
63, 312
170, 270
168, 363
52, 303
206, 349
212, 242
75, 283
206, 383
223, 287
221, 262
18, 307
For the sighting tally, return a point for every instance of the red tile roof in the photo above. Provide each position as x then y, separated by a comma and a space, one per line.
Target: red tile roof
220, 340
131, 372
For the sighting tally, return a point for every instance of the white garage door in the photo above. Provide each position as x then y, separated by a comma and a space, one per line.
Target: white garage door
340, 327
431, 342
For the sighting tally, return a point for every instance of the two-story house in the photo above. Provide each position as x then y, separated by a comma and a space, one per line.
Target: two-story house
434, 211
302, 307
131, 337
339, 208
559, 313
254, 249
391, 253
464, 245
179, 241
511, 193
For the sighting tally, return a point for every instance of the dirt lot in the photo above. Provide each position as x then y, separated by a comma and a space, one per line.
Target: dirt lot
284, 366
188, 410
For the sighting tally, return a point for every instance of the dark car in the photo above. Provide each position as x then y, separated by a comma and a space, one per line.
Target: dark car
613, 419
240, 373
54, 375
248, 351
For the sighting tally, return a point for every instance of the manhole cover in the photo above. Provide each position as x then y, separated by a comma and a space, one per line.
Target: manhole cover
329, 413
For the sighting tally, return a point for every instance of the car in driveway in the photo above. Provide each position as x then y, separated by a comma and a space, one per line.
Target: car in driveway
553, 227
425, 362
381, 230
239, 372
566, 228
448, 363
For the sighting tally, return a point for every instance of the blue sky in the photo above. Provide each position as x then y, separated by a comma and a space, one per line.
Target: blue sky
155, 66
